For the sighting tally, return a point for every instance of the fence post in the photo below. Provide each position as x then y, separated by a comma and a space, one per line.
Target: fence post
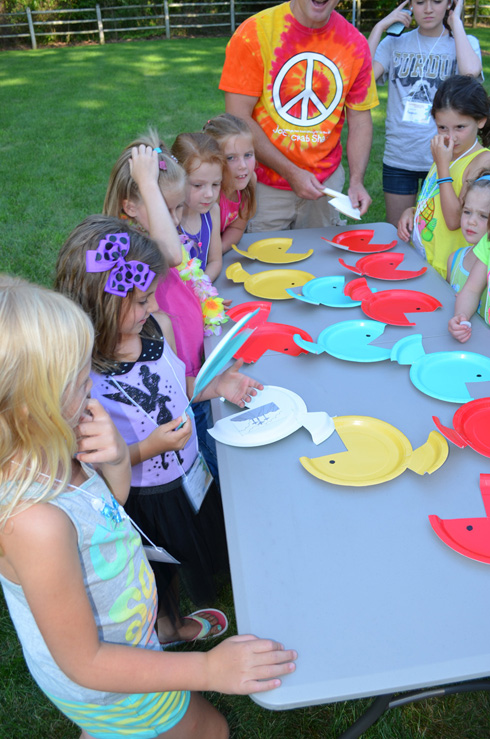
31, 28
358, 15
167, 19
475, 14
232, 15
100, 24
353, 19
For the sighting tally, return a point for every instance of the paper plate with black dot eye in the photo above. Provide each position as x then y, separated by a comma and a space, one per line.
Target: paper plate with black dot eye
271, 285
349, 340
375, 452
468, 536
390, 306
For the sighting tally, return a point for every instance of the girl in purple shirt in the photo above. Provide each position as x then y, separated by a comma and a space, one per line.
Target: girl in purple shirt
112, 271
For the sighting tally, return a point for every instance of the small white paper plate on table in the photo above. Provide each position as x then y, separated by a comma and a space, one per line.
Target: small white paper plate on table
272, 414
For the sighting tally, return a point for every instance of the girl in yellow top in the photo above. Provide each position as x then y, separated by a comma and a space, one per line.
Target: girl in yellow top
461, 110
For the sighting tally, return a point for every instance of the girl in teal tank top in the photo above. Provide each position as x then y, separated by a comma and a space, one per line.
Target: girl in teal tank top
78, 585
474, 224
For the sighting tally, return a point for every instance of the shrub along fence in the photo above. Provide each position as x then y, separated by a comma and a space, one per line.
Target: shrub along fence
170, 19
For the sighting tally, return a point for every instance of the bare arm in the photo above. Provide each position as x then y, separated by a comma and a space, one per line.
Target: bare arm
233, 233
42, 551
144, 170
467, 301
359, 139
468, 61
166, 328
303, 183
405, 224
442, 151
215, 253
232, 385
100, 443
378, 30
449, 266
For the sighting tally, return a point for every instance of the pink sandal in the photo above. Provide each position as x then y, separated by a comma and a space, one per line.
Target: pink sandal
206, 626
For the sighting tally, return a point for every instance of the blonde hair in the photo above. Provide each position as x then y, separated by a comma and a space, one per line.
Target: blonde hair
121, 185
222, 128
87, 288
194, 149
45, 340
477, 183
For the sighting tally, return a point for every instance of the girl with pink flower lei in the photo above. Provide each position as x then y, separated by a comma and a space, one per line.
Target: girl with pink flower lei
147, 186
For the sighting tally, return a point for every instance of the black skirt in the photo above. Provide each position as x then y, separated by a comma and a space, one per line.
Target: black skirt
197, 540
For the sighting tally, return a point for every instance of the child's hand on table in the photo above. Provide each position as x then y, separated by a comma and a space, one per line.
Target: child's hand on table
460, 327
405, 224
245, 664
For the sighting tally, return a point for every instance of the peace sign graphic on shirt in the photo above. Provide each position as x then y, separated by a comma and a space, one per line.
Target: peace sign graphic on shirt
313, 110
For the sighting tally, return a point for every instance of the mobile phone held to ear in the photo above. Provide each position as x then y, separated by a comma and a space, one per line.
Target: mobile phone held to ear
396, 28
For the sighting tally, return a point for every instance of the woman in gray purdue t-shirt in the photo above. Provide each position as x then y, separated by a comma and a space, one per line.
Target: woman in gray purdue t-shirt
415, 64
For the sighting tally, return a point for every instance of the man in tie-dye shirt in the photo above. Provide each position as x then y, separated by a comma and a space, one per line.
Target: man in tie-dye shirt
294, 72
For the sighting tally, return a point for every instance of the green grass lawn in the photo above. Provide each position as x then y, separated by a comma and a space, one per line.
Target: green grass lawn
65, 115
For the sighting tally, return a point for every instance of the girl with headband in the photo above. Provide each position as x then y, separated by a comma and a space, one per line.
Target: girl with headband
73, 571
111, 270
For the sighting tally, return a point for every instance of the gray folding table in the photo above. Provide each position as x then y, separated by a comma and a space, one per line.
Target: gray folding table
354, 578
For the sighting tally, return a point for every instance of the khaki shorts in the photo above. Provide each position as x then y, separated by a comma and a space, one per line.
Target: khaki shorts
282, 210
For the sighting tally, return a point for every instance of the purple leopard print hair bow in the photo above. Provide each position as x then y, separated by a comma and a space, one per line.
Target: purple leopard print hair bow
123, 275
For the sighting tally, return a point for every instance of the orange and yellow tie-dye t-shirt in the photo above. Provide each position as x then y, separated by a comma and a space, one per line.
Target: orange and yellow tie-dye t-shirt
303, 78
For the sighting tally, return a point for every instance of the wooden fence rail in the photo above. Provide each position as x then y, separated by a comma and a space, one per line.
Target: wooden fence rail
170, 18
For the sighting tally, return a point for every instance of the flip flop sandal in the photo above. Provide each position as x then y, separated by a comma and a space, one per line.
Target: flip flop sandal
221, 626
206, 626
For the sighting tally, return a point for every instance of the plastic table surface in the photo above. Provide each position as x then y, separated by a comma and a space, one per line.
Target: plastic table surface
354, 579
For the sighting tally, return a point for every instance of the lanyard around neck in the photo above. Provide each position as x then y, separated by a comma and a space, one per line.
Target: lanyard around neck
427, 58
464, 153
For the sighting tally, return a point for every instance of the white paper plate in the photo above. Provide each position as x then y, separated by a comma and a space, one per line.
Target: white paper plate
272, 415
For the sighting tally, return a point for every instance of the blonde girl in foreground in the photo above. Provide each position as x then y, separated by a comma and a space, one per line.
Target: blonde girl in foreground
76, 579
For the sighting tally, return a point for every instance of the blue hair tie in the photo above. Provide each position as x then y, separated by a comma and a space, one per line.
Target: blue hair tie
483, 177
157, 149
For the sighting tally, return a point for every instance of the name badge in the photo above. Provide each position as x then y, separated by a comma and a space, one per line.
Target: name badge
196, 482
414, 112
159, 554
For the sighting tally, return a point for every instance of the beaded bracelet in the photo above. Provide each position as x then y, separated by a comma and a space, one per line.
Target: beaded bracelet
444, 179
